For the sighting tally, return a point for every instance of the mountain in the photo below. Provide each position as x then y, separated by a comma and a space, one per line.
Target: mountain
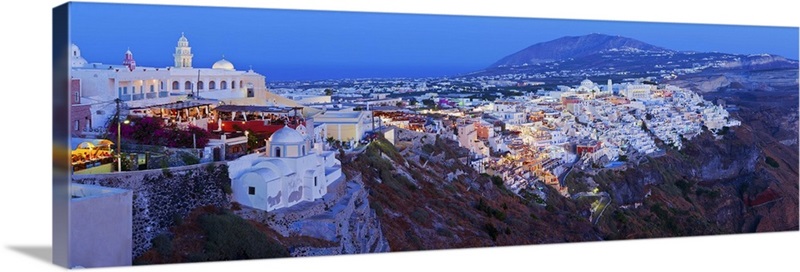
575, 47
598, 55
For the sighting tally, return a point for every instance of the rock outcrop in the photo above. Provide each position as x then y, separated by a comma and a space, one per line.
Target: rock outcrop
342, 217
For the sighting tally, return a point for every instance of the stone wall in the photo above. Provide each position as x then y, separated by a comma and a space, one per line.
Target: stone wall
163, 197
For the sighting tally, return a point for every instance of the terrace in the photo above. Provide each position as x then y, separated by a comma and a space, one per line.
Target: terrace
181, 113
258, 119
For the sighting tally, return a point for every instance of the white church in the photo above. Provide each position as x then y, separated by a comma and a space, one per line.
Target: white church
140, 86
288, 173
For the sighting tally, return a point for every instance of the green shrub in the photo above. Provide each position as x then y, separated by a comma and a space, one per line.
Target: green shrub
210, 168
444, 232
189, 159
683, 185
163, 245
166, 172
412, 237
427, 148
658, 211
377, 207
177, 219
490, 211
772, 162
491, 230
419, 215
230, 237
619, 216
706, 192
226, 188
498, 181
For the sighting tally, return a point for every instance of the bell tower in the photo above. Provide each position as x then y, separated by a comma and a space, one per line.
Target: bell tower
183, 53
128, 61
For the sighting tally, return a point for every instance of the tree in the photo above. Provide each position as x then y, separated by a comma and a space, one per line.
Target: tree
328, 92
252, 140
772, 162
341, 154
412, 102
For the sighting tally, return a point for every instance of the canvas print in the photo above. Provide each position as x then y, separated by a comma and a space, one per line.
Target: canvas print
209, 134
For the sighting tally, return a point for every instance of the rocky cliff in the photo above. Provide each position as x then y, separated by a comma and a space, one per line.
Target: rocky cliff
711, 187
426, 197
342, 218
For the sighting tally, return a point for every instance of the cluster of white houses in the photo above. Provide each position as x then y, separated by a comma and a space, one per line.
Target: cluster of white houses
294, 166
595, 124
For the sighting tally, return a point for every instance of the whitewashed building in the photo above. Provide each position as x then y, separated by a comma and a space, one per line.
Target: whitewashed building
288, 173
345, 125
141, 86
637, 91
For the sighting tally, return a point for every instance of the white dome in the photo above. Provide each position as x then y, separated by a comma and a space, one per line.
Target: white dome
587, 82
75, 56
183, 41
75, 50
223, 64
286, 135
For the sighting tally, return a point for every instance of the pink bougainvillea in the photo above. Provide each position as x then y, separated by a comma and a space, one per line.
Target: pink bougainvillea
152, 131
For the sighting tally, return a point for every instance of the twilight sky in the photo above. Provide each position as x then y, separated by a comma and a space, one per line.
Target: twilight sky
289, 45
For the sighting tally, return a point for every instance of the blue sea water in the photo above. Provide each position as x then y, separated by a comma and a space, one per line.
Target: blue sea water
331, 71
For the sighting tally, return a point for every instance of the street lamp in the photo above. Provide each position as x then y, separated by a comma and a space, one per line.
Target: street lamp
119, 143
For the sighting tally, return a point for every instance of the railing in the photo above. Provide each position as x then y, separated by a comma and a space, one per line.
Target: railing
259, 126
81, 165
